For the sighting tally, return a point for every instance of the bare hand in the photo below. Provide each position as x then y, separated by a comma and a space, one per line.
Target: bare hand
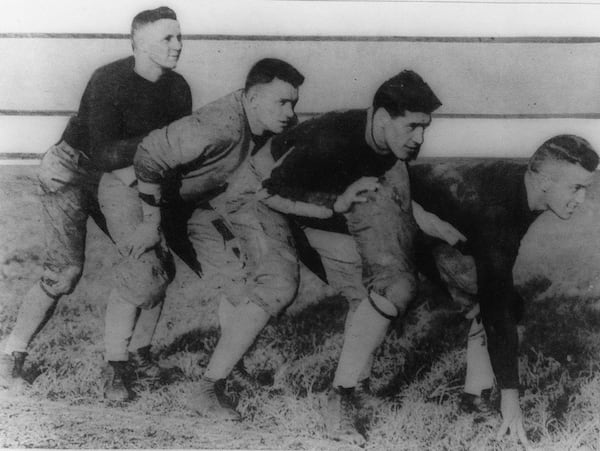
512, 418
145, 237
353, 194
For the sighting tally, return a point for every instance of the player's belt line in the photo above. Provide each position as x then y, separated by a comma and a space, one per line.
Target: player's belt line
15, 112
335, 38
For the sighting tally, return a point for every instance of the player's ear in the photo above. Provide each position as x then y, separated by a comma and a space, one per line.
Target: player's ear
139, 42
545, 181
252, 94
381, 117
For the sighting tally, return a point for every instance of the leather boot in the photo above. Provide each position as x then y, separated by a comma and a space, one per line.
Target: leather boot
209, 400
116, 377
341, 416
145, 367
11, 369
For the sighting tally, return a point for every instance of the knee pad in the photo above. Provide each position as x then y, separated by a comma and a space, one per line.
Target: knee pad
383, 306
58, 282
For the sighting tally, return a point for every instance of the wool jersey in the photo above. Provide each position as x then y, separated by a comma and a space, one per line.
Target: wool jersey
200, 151
119, 108
488, 203
326, 155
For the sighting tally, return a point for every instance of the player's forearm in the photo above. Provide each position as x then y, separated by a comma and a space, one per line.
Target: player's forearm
297, 194
505, 363
146, 168
503, 348
150, 194
295, 208
426, 220
319, 198
421, 216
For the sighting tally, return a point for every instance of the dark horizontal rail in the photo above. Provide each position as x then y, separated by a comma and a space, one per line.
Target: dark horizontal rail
38, 156
311, 114
234, 37
20, 156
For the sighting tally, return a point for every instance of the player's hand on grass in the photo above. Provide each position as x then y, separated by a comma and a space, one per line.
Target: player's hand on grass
145, 237
355, 194
512, 418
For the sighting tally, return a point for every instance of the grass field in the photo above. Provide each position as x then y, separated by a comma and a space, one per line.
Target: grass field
417, 375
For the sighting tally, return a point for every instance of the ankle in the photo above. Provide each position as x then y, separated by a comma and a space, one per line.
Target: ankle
344, 390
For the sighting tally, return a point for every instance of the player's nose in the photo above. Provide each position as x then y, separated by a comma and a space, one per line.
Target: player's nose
175, 43
418, 136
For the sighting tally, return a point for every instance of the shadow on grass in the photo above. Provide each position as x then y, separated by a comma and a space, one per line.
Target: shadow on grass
307, 346
447, 330
560, 345
284, 340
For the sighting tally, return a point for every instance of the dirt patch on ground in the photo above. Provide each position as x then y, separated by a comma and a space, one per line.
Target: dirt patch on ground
28, 422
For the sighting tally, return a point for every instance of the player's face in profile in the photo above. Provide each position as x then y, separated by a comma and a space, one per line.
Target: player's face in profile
161, 41
273, 105
567, 188
404, 134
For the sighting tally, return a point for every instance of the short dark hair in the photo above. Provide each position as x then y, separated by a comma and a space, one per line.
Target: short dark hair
568, 148
406, 92
151, 15
267, 69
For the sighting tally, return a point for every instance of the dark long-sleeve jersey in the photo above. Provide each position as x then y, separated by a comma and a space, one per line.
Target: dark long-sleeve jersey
327, 155
119, 108
487, 202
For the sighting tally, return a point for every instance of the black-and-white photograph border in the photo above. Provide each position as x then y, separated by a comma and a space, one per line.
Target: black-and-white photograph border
300, 224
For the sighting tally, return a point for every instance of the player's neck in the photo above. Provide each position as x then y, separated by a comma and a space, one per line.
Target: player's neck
147, 69
372, 134
256, 126
535, 194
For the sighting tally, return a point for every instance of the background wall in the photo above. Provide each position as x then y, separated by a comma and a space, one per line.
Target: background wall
509, 75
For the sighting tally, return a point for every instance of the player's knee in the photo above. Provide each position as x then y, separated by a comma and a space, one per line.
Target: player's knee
276, 290
286, 289
143, 295
401, 292
58, 282
143, 284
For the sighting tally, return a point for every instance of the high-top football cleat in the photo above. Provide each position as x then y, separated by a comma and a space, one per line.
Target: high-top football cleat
116, 376
145, 367
341, 416
11, 370
209, 400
